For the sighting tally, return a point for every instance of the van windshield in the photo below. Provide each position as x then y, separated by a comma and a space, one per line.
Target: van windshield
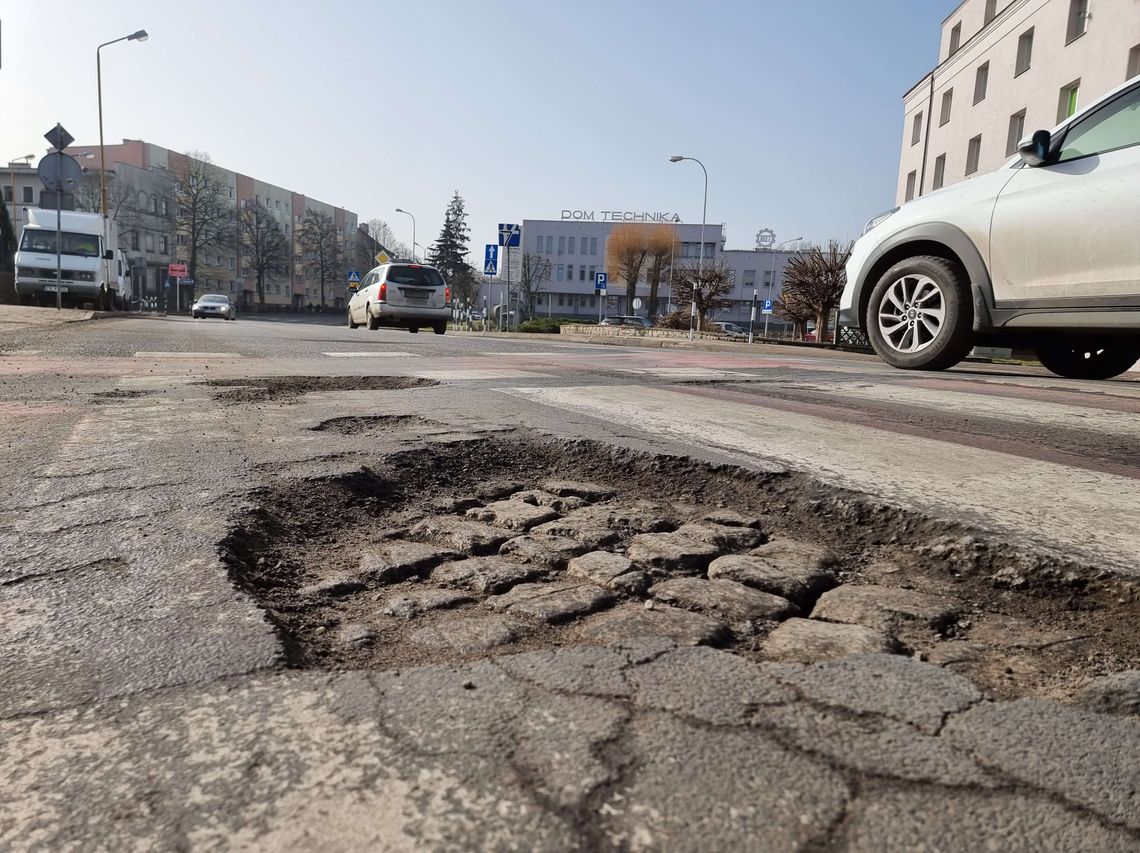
83, 245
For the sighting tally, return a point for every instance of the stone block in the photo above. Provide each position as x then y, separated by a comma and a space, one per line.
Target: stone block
486, 575
798, 583
882, 607
722, 536
460, 534
513, 515
671, 553
396, 560
809, 641
725, 599
628, 621
552, 603
553, 552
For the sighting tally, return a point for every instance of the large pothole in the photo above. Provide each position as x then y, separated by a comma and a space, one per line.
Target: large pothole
484, 547
255, 389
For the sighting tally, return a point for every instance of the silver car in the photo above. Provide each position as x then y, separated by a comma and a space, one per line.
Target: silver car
214, 305
401, 294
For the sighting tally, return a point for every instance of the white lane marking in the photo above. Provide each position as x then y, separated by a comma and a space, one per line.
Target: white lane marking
371, 355
1074, 511
988, 406
476, 374
180, 355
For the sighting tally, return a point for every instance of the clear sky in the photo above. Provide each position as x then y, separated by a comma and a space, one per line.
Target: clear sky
525, 107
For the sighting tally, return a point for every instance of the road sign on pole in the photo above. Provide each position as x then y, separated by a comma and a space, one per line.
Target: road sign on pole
601, 279
510, 234
767, 307
491, 260
353, 277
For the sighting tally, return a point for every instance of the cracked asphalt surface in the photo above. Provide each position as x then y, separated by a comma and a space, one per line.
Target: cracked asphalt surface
148, 702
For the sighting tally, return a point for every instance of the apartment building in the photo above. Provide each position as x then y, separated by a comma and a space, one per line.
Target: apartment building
1005, 69
141, 180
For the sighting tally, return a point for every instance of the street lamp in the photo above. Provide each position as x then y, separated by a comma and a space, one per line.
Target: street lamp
677, 158
772, 272
141, 35
408, 213
27, 158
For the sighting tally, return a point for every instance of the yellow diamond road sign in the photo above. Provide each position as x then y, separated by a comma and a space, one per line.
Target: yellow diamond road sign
382, 258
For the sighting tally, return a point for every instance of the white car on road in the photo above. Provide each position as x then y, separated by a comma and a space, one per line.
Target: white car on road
401, 294
1044, 253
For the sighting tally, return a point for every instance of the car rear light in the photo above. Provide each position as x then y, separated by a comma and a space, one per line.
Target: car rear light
447, 295
413, 266
383, 291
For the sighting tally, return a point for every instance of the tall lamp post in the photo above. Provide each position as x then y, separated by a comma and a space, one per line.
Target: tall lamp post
27, 158
408, 213
772, 271
677, 158
139, 35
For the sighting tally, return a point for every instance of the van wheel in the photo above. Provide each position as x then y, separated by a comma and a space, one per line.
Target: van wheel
440, 328
1088, 358
919, 316
373, 322
414, 329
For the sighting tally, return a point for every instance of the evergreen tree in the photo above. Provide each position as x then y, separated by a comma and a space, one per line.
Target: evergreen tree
449, 252
7, 241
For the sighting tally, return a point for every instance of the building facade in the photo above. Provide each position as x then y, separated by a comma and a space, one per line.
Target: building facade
576, 249
142, 198
1005, 69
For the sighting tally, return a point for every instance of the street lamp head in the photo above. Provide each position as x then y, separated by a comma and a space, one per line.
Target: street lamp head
139, 36
676, 158
400, 210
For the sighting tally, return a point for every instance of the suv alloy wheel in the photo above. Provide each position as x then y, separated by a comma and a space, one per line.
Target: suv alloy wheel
919, 315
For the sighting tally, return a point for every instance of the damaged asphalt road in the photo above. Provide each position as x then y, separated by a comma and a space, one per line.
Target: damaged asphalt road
165, 689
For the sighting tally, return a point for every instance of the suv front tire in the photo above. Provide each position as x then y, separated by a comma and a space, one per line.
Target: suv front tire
919, 316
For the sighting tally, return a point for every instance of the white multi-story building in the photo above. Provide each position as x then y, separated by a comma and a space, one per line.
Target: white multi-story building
576, 247
1005, 69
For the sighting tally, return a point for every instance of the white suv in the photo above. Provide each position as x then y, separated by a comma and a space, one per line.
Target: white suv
1043, 253
401, 294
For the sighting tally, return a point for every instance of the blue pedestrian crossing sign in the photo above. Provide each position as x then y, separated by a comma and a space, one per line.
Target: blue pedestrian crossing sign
353, 277
767, 307
601, 279
491, 260
510, 235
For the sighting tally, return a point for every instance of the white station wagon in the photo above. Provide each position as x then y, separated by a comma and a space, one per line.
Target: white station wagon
401, 294
1042, 253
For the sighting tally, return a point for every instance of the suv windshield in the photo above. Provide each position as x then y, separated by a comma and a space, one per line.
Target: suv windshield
83, 245
425, 276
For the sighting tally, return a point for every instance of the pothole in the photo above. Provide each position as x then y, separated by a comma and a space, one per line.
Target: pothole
287, 388
119, 394
480, 548
371, 424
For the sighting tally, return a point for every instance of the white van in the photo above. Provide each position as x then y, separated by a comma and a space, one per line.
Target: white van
89, 270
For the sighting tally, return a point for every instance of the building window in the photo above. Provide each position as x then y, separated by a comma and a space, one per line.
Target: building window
538, 244
550, 245
910, 181
973, 154
767, 278
162, 244
981, 82
749, 278
582, 300
1067, 102
955, 38
593, 302
991, 10
947, 102
561, 273
561, 300
562, 245
916, 129
165, 208
939, 172
134, 241
593, 245
571, 246
582, 272
1133, 63
1016, 131
150, 242
569, 272
593, 272
1024, 52
29, 194
7, 192
1078, 19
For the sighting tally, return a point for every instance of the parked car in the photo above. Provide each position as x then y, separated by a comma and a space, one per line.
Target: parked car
730, 329
401, 294
626, 320
1041, 253
213, 305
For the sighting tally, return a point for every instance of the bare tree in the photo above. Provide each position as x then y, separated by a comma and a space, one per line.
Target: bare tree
815, 278
321, 247
382, 233
122, 208
205, 218
659, 254
709, 288
263, 245
535, 273
797, 312
625, 256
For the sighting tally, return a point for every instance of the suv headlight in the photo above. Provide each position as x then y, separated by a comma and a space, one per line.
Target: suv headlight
878, 220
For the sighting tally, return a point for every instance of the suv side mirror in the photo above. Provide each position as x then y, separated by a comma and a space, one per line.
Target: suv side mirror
1034, 151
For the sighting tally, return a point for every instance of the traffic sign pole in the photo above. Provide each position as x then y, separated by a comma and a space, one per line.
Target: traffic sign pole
752, 318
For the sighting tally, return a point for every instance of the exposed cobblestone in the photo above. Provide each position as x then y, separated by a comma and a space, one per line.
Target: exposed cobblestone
728, 600
513, 515
486, 575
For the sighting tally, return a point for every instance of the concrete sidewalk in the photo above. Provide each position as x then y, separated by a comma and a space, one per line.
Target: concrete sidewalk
15, 317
